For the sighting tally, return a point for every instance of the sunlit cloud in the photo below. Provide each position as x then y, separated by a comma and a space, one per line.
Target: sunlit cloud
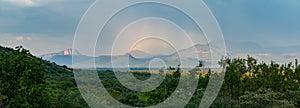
29, 3
23, 38
20, 38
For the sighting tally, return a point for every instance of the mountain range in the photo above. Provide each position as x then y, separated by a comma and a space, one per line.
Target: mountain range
136, 58
188, 57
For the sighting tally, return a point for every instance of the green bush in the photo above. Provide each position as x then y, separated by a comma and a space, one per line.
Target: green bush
264, 99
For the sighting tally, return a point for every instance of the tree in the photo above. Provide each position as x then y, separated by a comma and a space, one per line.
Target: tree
193, 72
22, 80
177, 73
171, 68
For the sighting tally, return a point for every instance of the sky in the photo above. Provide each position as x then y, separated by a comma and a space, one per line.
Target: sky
46, 26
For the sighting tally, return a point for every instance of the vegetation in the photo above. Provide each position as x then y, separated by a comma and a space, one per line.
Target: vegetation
28, 81
248, 83
22, 83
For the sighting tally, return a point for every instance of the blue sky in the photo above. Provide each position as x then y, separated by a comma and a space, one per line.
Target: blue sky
267, 22
45, 26
42, 26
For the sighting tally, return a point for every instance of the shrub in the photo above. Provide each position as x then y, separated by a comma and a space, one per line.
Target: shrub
264, 99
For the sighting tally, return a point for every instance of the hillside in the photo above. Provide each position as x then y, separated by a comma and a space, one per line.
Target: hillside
29, 81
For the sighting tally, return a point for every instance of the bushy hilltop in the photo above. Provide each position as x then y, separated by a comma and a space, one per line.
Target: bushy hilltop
49, 67
29, 81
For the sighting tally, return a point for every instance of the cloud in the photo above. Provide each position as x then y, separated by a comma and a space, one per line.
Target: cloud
36, 43
20, 38
29, 3
13, 40
23, 38
50, 17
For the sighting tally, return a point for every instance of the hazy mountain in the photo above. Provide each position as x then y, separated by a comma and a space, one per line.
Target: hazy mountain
65, 57
248, 47
280, 54
244, 47
66, 52
187, 57
140, 54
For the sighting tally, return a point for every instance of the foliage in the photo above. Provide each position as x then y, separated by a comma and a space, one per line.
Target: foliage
264, 99
28, 81
22, 81
255, 84
134, 98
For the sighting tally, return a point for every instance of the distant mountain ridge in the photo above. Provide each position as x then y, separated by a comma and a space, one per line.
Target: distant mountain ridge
140, 54
187, 57
136, 58
64, 52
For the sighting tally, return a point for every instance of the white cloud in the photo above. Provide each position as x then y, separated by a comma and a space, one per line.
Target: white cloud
29, 3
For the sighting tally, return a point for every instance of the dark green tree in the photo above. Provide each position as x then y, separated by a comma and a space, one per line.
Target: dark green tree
22, 80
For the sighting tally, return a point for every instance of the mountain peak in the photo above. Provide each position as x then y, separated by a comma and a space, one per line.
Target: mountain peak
71, 52
140, 54
64, 52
